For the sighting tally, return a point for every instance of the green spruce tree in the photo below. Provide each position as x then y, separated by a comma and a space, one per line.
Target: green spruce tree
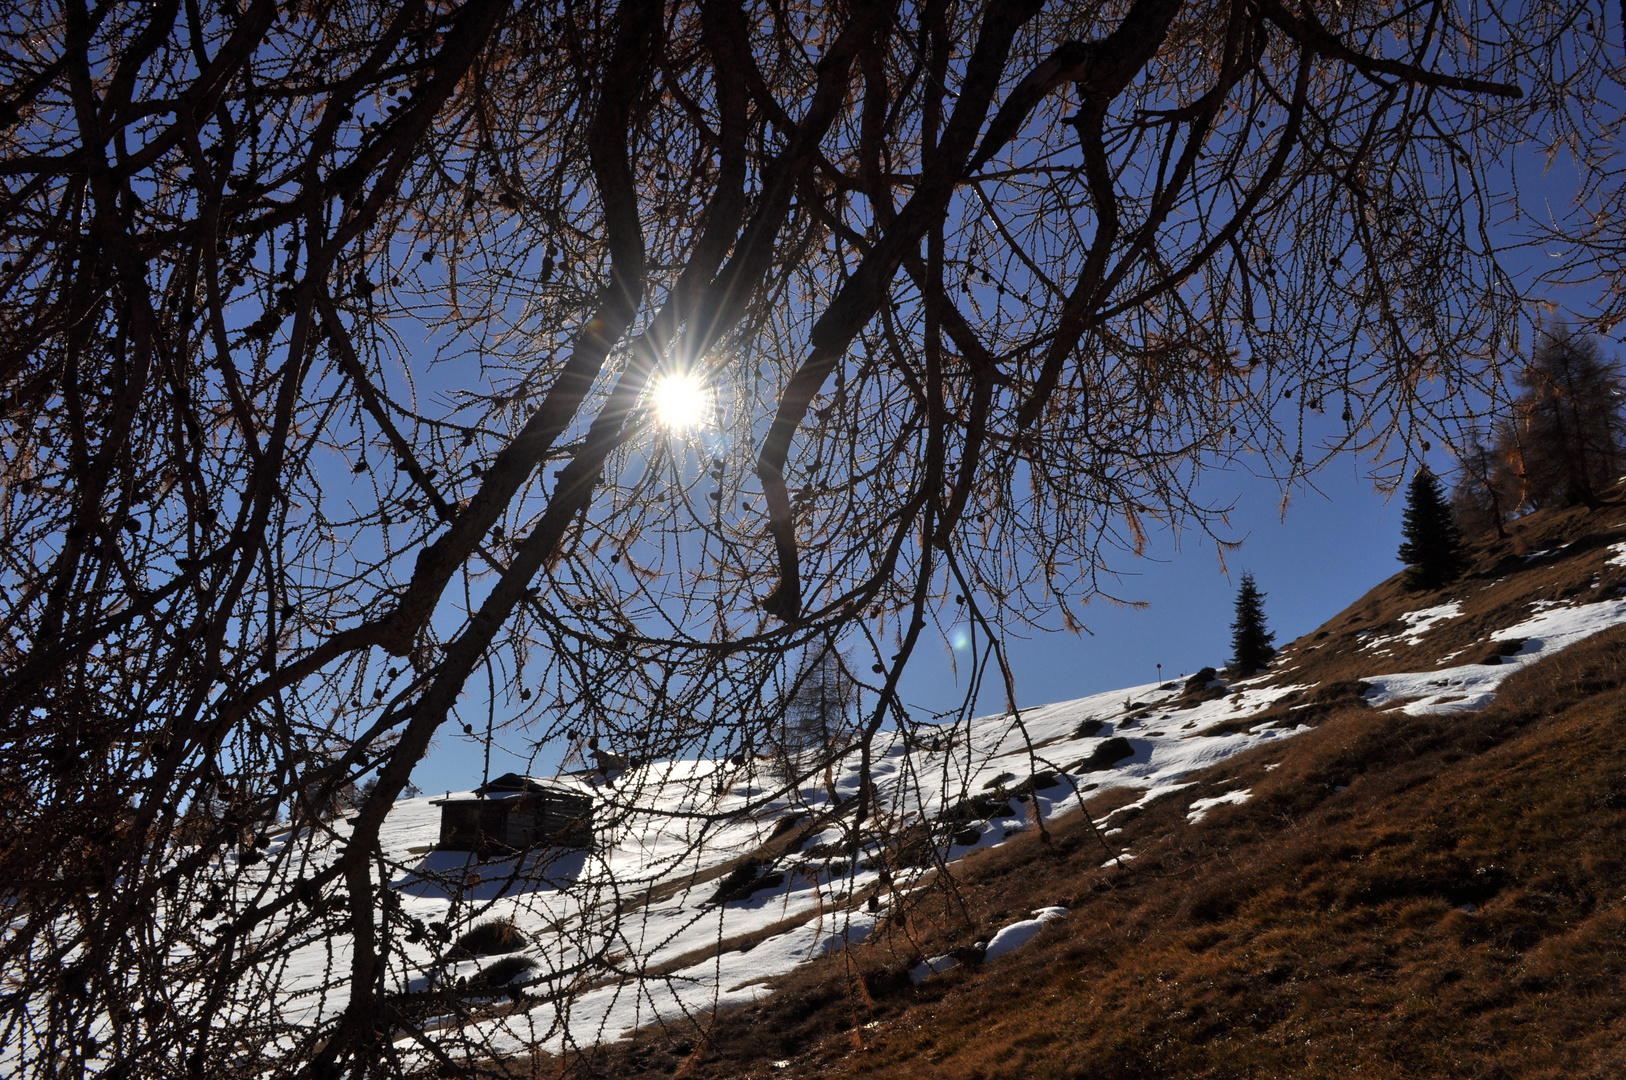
1250, 641
1432, 550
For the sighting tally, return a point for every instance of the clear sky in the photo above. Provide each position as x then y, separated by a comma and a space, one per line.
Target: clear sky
1328, 550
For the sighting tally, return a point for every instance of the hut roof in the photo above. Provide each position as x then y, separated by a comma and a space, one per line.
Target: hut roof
515, 782
513, 785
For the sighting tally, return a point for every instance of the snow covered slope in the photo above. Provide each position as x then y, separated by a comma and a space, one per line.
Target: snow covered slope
664, 919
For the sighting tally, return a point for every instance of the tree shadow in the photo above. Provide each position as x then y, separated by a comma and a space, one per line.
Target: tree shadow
464, 875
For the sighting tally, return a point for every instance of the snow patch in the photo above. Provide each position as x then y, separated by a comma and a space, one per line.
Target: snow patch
935, 966
1470, 687
1017, 934
1418, 623
1006, 940
1200, 808
1145, 800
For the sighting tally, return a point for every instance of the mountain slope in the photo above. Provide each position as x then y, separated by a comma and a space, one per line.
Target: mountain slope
1427, 880
1384, 854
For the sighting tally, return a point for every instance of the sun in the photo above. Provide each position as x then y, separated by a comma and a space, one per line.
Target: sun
680, 400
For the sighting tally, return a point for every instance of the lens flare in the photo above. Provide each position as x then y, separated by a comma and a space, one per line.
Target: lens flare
680, 401
960, 638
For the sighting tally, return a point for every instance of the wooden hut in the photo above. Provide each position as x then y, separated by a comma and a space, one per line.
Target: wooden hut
516, 812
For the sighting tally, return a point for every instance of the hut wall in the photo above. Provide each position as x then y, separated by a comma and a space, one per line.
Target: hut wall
465, 826
563, 819
536, 819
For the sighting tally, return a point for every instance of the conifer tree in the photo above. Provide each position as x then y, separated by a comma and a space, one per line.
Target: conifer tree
817, 720
1566, 441
1485, 491
1250, 642
1432, 550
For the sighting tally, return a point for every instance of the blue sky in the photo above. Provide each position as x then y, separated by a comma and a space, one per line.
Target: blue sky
1328, 550
1331, 546
1335, 541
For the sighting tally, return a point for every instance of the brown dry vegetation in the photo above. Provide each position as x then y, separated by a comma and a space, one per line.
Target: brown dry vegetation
1401, 897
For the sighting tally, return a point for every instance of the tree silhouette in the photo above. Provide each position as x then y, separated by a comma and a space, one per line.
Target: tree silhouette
818, 718
1251, 647
332, 341
1431, 544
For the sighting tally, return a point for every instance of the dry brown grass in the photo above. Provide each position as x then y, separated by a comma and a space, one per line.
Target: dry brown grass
1440, 896
1311, 932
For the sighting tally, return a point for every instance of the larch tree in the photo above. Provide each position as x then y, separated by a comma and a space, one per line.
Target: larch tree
377, 373
1431, 544
1251, 648
1564, 441
818, 712
1484, 492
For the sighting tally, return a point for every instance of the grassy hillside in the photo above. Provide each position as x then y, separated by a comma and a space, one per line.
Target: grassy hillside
1399, 895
